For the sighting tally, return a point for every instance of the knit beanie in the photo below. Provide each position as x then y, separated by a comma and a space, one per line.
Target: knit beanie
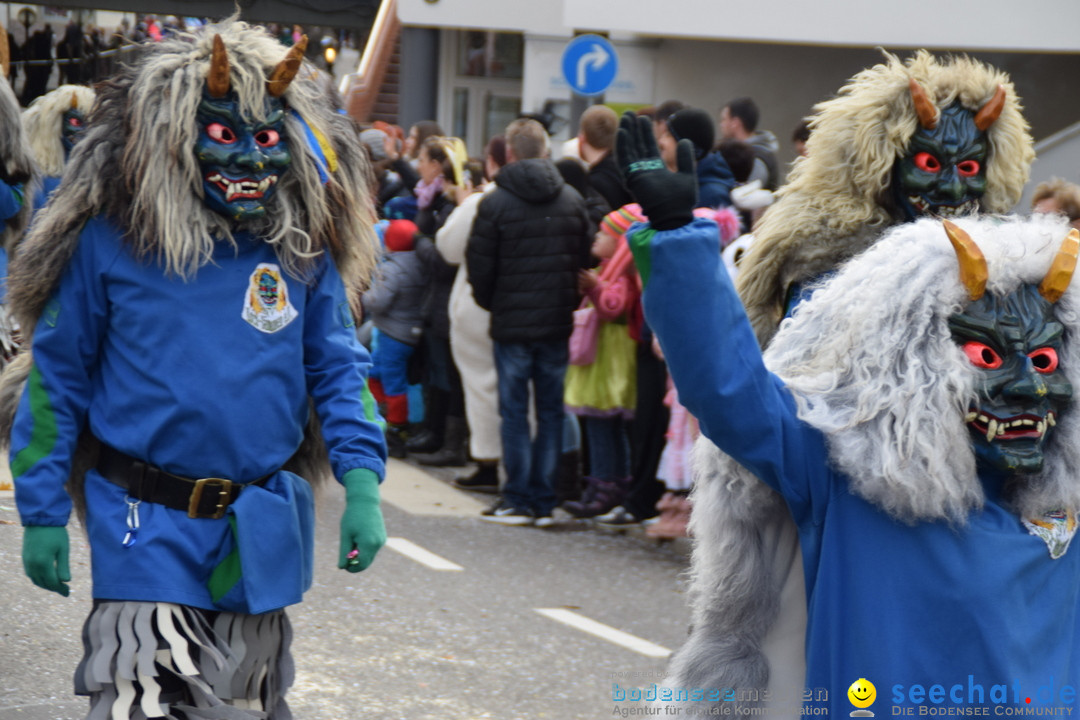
399, 235
618, 222
696, 126
374, 140
400, 208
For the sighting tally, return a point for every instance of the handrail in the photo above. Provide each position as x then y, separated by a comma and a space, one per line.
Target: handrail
361, 88
1057, 138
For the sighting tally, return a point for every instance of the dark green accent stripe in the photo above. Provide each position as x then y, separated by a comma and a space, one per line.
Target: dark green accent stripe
641, 247
224, 577
371, 408
44, 435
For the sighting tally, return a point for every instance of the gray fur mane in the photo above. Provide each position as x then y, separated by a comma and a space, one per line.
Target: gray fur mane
16, 165
136, 165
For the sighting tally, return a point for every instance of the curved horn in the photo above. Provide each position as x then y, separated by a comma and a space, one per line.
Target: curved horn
924, 106
286, 70
1057, 278
973, 270
989, 112
217, 80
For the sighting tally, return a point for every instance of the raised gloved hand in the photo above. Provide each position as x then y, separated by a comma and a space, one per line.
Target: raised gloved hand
362, 527
666, 198
45, 557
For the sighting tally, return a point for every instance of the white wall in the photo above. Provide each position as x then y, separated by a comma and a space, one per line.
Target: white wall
1038, 25
536, 16
634, 82
1058, 156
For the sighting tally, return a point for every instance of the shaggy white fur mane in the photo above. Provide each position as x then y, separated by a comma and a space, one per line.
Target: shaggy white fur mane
44, 120
871, 363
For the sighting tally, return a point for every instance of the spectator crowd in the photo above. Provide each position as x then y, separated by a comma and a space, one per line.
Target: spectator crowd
505, 318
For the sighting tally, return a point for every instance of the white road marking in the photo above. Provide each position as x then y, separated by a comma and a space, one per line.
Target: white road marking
414, 552
606, 632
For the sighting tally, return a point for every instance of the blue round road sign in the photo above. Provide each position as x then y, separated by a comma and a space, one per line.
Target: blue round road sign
589, 64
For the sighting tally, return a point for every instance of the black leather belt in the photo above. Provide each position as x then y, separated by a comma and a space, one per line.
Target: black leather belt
202, 498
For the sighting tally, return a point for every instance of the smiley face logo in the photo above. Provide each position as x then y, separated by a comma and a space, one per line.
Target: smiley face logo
862, 694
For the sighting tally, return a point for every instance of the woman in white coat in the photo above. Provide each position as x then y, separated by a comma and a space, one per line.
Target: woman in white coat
470, 341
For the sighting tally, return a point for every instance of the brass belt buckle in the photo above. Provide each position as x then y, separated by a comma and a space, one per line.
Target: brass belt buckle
224, 488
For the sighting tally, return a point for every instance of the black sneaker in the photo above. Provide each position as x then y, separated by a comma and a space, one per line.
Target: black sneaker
504, 513
543, 521
619, 517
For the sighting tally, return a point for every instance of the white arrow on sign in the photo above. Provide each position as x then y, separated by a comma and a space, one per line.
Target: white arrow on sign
596, 58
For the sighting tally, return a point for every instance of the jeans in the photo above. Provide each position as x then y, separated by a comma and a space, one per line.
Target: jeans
390, 363
531, 464
609, 447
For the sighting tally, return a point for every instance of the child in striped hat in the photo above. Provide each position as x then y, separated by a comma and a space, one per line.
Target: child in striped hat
603, 393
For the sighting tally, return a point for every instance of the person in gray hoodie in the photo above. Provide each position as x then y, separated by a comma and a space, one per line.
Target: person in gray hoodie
393, 303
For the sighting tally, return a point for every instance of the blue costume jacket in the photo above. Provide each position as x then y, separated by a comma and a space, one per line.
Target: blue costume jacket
208, 377
932, 614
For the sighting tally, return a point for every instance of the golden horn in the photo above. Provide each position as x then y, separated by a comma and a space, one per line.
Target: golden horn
1057, 278
217, 80
74, 101
973, 270
924, 106
989, 112
286, 70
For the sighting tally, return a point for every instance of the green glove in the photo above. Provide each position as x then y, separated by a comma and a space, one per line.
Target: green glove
667, 198
362, 527
45, 557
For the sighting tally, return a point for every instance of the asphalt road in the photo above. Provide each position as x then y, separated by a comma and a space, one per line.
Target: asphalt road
404, 639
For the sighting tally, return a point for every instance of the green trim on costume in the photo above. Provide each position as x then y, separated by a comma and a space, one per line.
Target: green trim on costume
371, 408
641, 246
44, 436
224, 577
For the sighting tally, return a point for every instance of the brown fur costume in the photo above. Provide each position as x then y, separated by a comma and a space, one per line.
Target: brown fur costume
836, 201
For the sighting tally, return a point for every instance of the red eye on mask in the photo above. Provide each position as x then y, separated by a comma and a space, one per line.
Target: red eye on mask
927, 162
982, 356
968, 168
1045, 360
267, 138
221, 133
74, 122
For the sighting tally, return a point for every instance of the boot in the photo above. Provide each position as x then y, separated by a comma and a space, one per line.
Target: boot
423, 441
600, 496
430, 437
395, 441
484, 480
568, 480
454, 451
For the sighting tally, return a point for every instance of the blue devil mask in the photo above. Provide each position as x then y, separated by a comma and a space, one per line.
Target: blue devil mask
243, 158
1015, 342
944, 170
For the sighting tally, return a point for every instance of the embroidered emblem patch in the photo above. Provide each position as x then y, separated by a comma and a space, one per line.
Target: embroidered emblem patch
1056, 528
266, 305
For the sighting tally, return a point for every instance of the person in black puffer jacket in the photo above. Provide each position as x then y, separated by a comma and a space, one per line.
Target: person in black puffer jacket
531, 236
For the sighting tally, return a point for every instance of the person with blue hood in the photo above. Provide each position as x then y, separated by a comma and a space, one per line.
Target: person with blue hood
714, 177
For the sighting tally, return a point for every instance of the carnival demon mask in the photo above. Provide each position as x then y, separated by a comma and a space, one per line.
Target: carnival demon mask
944, 170
72, 126
1015, 341
242, 158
